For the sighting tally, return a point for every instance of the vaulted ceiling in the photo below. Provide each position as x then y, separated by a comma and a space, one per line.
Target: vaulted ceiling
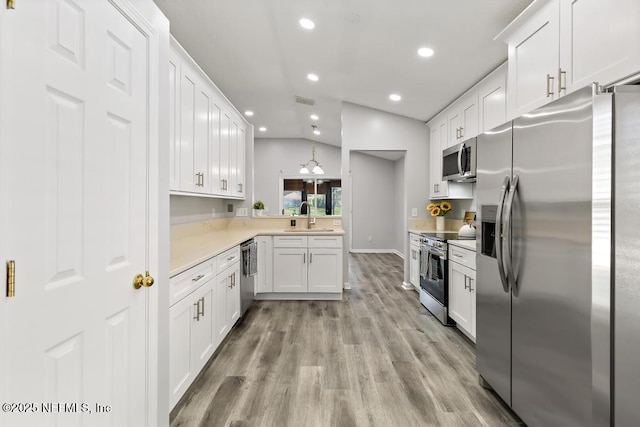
259, 55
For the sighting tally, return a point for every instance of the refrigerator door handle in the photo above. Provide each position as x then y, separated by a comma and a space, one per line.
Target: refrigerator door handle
508, 238
460, 171
498, 236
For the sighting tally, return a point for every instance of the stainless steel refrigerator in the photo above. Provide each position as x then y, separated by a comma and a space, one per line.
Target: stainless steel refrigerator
546, 299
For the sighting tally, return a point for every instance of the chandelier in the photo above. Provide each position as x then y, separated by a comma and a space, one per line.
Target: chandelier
317, 169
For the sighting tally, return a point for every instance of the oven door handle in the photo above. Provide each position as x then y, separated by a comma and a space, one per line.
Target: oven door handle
460, 170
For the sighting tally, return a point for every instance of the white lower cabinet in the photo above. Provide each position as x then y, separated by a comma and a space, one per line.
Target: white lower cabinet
192, 338
200, 320
264, 277
462, 290
290, 268
414, 260
307, 264
324, 271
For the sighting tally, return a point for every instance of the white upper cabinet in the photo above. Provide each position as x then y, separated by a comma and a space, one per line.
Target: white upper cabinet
208, 135
599, 42
463, 119
492, 99
565, 45
174, 120
533, 61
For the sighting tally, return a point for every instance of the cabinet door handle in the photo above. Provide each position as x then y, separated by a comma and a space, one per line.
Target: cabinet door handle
461, 132
197, 315
304, 258
457, 255
310, 257
562, 86
470, 288
549, 88
465, 283
198, 277
239, 188
201, 313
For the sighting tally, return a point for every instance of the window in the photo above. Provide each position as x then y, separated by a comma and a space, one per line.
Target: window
324, 196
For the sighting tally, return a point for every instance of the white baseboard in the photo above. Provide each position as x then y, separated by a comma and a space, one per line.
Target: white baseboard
374, 251
346, 285
408, 286
397, 252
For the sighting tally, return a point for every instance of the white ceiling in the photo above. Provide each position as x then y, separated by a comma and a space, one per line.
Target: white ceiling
383, 154
363, 50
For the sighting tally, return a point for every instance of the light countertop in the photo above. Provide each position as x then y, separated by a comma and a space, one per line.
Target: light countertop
467, 244
191, 250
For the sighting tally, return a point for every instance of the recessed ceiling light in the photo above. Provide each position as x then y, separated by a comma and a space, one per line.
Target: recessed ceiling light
314, 117
307, 24
425, 52
248, 113
312, 77
316, 132
395, 97
262, 129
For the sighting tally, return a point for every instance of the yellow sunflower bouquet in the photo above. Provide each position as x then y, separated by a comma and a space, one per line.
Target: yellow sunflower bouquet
439, 209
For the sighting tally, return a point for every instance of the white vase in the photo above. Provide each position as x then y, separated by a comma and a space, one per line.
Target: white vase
439, 223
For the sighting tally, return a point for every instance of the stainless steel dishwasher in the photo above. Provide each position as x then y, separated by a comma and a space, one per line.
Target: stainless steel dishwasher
249, 269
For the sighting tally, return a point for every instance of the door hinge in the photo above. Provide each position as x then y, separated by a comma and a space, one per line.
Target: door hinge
11, 4
11, 279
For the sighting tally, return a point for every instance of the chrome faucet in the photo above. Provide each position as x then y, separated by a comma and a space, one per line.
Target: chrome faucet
310, 221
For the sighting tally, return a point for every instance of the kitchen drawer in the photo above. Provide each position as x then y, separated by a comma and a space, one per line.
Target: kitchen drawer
188, 281
462, 256
227, 258
325, 241
414, 239
290, 241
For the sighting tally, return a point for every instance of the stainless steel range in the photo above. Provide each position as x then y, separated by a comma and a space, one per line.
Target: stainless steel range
434, 283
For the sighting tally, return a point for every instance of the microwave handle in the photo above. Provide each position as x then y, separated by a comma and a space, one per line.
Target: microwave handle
460, 171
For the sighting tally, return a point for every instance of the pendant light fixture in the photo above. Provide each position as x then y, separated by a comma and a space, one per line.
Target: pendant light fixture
317, 169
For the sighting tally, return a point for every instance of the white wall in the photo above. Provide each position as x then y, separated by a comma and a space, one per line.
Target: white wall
374, 203
276, 157
399, 212
368, 129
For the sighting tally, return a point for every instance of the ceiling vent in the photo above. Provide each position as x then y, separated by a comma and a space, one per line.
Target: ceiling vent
305, 101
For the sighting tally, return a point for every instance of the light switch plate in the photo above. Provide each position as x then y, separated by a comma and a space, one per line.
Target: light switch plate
414, 212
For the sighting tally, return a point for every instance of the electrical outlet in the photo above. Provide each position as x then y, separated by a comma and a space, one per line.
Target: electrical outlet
371, 238
414, 212
336, 222
241, 212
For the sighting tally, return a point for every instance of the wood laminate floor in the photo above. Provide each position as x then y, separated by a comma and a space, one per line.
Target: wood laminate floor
376, 358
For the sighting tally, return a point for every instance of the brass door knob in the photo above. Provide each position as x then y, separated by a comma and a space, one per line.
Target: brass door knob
148, 281
138, 280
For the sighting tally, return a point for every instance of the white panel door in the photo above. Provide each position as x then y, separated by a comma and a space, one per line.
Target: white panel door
74, 198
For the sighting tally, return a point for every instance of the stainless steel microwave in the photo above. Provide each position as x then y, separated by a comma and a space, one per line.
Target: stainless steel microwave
459, 162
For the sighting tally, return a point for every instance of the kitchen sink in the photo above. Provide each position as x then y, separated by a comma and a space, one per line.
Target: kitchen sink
308, 230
